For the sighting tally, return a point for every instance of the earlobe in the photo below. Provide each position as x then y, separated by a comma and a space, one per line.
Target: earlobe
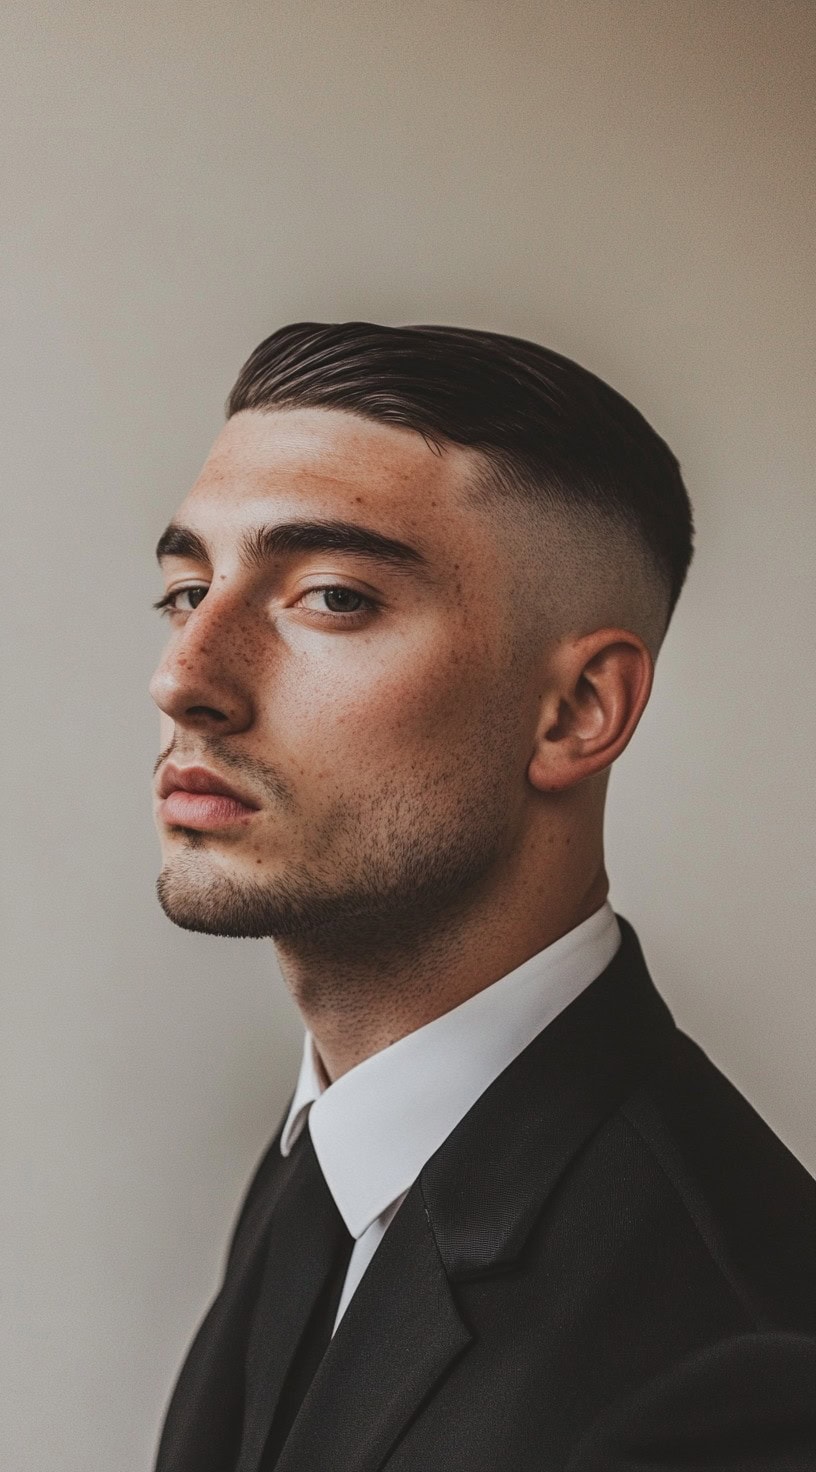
600, 687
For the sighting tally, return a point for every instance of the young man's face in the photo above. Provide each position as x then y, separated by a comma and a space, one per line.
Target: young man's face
369, 709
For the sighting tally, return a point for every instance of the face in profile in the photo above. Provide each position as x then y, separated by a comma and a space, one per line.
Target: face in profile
342, 662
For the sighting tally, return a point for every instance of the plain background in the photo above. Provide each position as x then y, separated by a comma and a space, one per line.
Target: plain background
628, 181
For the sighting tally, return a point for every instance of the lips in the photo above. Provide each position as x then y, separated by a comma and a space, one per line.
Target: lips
194, 797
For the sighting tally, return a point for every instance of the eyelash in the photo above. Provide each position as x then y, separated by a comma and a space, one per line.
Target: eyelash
166, 605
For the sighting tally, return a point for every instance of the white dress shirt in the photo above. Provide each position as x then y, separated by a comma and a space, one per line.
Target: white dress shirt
377, 1125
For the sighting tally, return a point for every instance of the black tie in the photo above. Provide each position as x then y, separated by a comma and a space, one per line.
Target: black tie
309, 1252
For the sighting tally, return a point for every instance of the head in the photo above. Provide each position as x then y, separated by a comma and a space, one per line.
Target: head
416, 595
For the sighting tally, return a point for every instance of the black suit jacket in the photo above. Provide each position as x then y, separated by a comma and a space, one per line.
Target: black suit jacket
609, 1264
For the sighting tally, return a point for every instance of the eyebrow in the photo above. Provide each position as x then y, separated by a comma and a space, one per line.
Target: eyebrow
291, 537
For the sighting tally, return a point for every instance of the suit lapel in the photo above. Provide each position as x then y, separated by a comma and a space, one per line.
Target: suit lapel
469, 1213
399, 1334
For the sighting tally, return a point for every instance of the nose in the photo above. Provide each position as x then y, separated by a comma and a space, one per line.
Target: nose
195, 682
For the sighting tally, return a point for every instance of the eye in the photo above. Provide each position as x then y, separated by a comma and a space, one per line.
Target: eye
340, 602
169, 605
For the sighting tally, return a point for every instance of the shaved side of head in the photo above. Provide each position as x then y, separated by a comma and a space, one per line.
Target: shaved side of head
577, 570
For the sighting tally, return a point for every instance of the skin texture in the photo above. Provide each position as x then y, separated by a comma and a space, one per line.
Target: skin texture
430, 773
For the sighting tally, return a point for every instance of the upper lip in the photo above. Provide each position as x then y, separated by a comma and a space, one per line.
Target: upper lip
198, 779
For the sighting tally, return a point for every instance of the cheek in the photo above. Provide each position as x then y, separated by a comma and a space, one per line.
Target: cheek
371, 706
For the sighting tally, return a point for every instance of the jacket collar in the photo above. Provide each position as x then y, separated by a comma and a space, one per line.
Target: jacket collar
487, 1184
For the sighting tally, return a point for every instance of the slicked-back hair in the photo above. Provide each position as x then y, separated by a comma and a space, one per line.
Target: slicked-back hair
550, 431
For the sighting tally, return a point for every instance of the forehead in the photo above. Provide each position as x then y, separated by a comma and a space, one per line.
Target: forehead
329, 463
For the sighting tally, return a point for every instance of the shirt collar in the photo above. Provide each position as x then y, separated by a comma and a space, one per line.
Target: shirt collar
376, 1126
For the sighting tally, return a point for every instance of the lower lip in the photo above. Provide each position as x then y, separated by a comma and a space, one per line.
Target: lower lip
203, 810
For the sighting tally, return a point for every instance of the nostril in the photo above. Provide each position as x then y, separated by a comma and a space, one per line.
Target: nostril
208, 711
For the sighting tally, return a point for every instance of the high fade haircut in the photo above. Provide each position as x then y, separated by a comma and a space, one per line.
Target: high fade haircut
551, 435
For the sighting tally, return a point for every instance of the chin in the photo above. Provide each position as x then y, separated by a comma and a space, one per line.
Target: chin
200, 892
213, 903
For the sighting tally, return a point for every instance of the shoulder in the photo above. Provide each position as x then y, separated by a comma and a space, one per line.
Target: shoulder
747, 1402
724, 1216
742, 1190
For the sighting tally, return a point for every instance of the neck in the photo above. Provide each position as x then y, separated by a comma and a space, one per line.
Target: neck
356, 999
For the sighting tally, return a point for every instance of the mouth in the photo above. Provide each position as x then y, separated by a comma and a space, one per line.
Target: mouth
194, 797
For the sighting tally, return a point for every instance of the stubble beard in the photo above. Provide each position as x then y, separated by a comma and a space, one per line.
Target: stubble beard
383, 878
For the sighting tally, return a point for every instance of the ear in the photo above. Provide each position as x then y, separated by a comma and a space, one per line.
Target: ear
597, 687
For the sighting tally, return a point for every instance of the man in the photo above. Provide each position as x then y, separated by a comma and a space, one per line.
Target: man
512, 1218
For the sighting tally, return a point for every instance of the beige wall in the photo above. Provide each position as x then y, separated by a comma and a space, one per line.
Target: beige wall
626, 180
